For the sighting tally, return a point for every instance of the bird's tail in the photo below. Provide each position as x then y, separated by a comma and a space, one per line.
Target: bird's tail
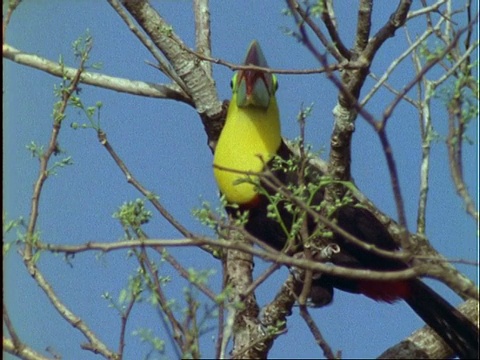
455, 329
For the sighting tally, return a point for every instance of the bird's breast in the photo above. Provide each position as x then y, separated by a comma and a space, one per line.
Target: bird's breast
249, 139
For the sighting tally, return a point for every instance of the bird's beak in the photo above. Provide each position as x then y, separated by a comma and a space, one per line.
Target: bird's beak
254, 88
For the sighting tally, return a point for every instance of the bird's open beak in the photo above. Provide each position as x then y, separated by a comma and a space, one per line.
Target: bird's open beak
254, 88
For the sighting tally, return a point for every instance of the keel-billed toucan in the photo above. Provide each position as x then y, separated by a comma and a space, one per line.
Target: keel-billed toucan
250, 139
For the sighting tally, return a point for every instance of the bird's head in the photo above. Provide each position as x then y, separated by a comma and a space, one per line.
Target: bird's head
252, 88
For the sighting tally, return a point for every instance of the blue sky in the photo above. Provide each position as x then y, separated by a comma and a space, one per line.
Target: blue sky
164, 146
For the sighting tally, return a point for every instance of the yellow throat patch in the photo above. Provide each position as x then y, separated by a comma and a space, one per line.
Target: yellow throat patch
250, 138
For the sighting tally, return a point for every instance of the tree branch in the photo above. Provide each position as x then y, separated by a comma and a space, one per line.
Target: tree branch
239, 267
162, 64
429, 269
364, 24
198, 85
25, 352
425, 343
203, 44
127, 86
328, 18
327, 350
94, 345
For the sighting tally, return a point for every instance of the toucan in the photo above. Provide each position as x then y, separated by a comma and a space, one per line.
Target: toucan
248, 145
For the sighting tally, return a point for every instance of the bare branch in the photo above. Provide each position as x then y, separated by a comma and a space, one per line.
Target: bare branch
274, 256
328, 18
94, 343
219, 343
199, 86
17, 343
397, 19
327, 350
428, 66
12, 5
124, 319
364, 24
239, 267
397, 61
102, 137
132, 87
298, 11
425, 343
29, 260
162, 64
426, 130
259, 280
25, 352
454, 146
351, 65
203, 43
426, 9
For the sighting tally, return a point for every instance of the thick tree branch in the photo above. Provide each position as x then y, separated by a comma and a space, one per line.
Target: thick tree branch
162, 64
25, 352
203, 43
198, 83
397, 20
364, 24
239, 267
200, 87
425, 343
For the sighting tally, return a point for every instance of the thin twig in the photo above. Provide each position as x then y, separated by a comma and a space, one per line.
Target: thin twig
297, 10
275, 256
426, 10
94, 344
329, 46
219, 353
390, 88
163, 65
102, 137
179, 332
17, 343
327, 350
396, 62
185, 274
259, 280
428, 66
454, 146
328, 19
123, 327
12, 5
234, 66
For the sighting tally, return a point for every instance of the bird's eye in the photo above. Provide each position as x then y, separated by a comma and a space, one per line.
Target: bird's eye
234, 80
275, 83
